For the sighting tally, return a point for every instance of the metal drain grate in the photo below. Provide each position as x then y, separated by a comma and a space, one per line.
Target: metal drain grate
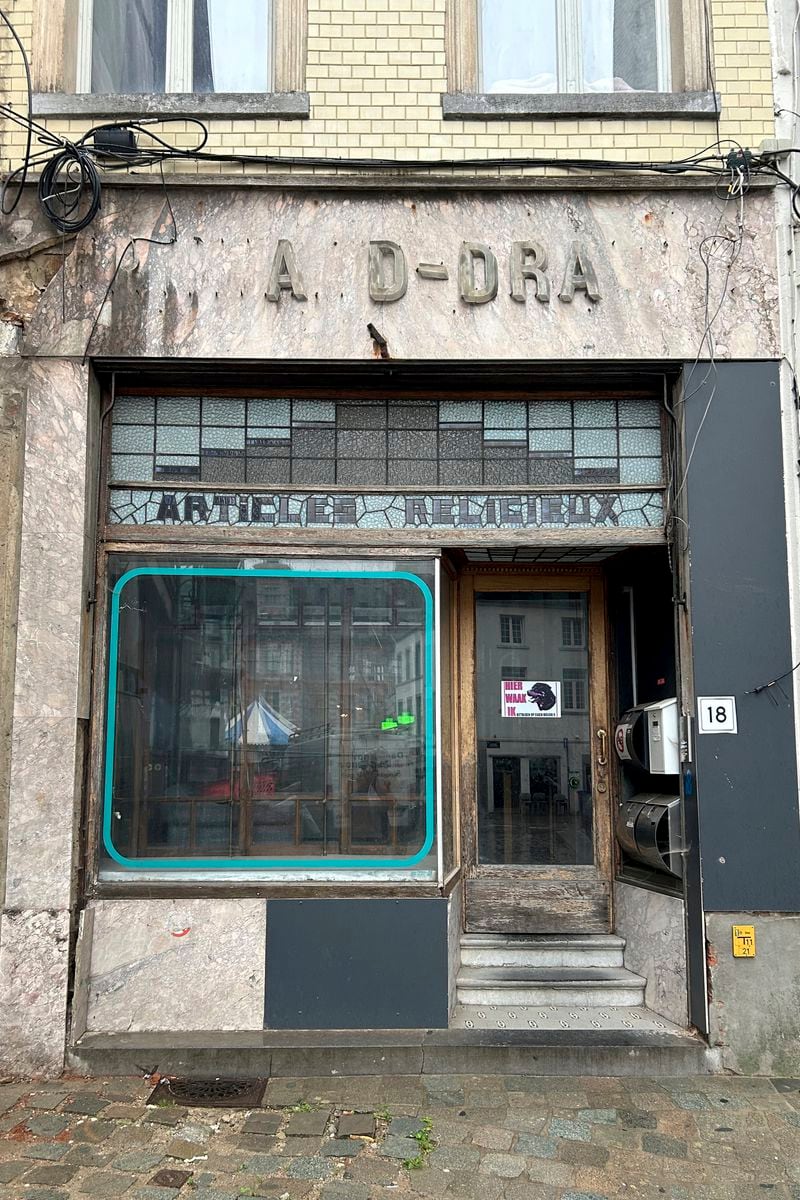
209, 1093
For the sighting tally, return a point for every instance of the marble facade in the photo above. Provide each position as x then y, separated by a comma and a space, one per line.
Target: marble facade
207, 296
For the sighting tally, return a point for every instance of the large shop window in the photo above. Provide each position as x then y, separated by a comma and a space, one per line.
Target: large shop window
264, 716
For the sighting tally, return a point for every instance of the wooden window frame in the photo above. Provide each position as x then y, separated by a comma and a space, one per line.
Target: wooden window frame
62, 55
686, 65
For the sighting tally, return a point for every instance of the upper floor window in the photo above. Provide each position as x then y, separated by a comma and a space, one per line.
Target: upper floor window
571, 632
616, 58
158, 46
511, 630
574, 46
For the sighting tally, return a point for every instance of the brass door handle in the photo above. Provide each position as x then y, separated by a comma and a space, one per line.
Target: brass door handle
602, 757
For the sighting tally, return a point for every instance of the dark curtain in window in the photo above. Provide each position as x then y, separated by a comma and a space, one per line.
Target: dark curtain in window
129, 42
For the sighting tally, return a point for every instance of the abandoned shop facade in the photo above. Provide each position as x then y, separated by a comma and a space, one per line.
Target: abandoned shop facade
396, 576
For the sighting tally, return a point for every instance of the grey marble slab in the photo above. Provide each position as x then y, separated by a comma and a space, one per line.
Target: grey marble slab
206, 295
653, 926
34, 948
181, 965
42, 800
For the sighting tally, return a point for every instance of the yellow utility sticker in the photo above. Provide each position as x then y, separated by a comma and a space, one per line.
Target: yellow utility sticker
744, 941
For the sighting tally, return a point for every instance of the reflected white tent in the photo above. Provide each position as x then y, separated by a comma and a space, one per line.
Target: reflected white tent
260, 725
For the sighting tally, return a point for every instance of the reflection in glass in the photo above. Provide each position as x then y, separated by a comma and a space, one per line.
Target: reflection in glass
600, 46
270, 717
534, 772
518, 46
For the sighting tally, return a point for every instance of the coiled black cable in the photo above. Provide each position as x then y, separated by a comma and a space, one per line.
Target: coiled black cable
69, 189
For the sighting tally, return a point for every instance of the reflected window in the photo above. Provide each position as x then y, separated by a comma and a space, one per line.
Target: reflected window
239, 735
574, 46
511, 630
146, 46
574, 691
571, 632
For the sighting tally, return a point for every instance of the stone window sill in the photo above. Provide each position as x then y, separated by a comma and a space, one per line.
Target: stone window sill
652, 105
278, 105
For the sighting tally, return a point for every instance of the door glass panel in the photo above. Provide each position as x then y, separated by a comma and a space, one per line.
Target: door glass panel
534, 761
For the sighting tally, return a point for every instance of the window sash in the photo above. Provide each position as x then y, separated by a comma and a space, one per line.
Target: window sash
179, 77
569, 46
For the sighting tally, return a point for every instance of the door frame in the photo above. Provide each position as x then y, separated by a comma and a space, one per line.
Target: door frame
473, 578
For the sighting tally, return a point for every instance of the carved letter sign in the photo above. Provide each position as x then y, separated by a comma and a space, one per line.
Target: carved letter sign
528, 261
379, 255
579, 273
477, 272
471, 291
284, 275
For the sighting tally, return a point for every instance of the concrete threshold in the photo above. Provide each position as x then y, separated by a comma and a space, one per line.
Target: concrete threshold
304, 1053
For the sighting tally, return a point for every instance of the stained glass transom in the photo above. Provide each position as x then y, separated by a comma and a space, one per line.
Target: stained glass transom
369, 443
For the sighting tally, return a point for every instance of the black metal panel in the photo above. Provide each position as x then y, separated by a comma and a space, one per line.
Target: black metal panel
356, 964
747, 782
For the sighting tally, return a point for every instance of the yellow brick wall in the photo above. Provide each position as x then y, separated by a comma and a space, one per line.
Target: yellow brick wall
376, 71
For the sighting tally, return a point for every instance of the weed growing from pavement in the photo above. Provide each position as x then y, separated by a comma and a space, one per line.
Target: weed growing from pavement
426, 1142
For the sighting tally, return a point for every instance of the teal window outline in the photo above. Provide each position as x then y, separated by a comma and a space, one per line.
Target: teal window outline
260, 864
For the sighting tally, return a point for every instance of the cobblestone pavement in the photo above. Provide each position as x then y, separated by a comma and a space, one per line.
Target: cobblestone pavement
365, 1138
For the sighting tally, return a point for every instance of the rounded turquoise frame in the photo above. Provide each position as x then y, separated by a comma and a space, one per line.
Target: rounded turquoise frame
260, 864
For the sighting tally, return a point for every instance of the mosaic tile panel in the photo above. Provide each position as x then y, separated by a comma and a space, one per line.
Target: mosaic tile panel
383, 442
496, 510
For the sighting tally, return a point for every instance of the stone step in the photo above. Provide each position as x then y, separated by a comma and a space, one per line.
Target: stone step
302, 1053
576, 986
507, 950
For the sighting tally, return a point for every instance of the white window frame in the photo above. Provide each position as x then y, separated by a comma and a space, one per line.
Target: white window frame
569, 46
179, 75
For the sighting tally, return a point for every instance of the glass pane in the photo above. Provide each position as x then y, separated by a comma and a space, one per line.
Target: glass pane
619, 45
518, 46
129, 45
534, 765
231, 46
271, 718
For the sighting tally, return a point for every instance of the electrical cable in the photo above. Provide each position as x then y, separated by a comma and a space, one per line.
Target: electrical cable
23, 171
131, 245
63, 184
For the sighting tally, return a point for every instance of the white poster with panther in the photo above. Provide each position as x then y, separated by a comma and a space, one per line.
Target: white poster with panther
531, 698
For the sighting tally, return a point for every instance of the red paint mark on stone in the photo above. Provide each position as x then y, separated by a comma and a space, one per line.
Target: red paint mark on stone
181, 932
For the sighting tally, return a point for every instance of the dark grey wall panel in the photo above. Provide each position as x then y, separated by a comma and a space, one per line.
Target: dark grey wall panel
746, 783
356, 964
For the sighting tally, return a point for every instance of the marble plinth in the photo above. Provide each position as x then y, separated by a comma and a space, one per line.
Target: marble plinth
34, 952
655, 947
176, 965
